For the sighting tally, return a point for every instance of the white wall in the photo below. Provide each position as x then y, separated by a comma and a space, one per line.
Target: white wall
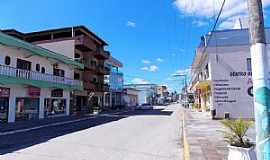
66, 47
14, 53
229, 87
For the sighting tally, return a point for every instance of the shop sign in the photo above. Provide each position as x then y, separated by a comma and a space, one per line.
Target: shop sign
33, 91
4, 92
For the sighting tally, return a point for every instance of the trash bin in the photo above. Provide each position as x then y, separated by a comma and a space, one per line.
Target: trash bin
213, 113
227, 115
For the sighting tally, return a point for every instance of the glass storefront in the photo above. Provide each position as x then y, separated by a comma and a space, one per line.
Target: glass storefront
54, 107
4, 103
27, 108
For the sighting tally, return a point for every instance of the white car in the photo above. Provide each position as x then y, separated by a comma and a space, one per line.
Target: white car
145, 106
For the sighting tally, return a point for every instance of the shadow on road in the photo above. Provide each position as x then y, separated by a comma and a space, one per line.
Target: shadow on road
14, 142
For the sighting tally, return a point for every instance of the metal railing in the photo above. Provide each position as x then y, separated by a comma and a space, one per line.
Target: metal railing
32, 75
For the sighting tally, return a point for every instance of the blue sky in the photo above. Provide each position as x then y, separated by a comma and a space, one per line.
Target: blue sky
153, 38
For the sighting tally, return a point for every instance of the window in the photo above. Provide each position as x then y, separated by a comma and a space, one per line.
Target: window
249, 64
23, 64
43, 70
7, 60
37, 67
59, 72
77, 55
77, 76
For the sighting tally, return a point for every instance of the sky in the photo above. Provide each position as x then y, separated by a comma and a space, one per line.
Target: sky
154, 39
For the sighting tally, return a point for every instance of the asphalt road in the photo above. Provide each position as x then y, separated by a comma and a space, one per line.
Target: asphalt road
136, 135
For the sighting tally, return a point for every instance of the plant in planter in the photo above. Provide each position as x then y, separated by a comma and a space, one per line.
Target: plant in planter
240, 147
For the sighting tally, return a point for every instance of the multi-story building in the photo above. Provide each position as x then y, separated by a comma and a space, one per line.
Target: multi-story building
81, 45
221, 74
114, 98
35, 83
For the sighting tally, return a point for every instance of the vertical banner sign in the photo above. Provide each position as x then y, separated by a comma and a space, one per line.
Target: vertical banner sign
260, 75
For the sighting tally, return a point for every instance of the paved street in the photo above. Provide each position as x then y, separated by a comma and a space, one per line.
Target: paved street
136, 135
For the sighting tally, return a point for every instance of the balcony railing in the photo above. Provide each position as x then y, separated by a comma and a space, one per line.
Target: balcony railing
84, 43
37, 76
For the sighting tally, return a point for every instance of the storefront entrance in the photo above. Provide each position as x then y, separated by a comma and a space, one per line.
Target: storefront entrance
4, 103
27, 108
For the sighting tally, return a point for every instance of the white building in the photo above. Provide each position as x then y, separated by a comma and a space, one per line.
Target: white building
131, 97
35, 83
146, 92
221, 74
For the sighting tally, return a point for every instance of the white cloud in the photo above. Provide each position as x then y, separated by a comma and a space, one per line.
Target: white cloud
206, 9
159, 60
200, 23
146, 61
131, 24
145, 68
182, 72
139, 81
153, 68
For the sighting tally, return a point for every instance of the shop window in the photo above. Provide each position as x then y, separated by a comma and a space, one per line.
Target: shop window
4, 103
249, 68
43, 70
54, 107
57, 93
27, 108
77, 76
37, 67
7, 60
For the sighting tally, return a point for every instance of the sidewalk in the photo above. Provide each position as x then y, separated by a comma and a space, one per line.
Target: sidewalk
9, 128
204, 142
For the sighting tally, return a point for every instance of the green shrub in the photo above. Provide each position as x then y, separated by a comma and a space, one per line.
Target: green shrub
235, 134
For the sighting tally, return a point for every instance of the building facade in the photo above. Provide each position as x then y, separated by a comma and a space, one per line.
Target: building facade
114, 98
146, 92
131, 97
82, 45
35, 83
221, 76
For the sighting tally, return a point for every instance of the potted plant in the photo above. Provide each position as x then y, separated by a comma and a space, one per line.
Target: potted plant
240, 147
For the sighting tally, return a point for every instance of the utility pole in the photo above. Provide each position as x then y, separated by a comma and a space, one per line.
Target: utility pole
260, 75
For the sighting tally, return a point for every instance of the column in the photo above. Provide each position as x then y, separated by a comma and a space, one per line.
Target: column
41, 103
12, 106
68, 106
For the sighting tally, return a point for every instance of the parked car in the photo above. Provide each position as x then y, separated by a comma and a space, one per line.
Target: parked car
145, 106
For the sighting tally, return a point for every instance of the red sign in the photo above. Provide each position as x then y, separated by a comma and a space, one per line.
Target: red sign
4, 92
33, 91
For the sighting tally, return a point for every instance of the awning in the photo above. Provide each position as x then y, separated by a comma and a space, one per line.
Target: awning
6, 80
203, 85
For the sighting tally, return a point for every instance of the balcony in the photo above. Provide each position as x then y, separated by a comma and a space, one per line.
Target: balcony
10, 75
88, 85
84, 43
89, 65
100, 54
101, 87
101, 69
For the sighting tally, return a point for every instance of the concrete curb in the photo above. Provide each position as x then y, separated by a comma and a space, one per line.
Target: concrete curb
186, 155
57, 123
